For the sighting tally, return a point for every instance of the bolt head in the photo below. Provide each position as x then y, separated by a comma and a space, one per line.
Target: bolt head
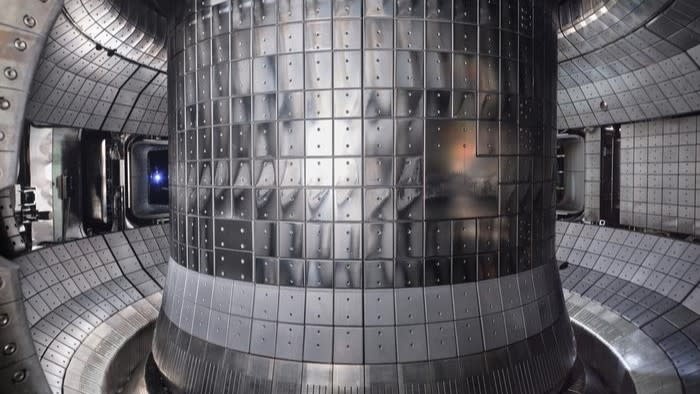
20, 44
10, 73
9, 349
19, 376
29, 21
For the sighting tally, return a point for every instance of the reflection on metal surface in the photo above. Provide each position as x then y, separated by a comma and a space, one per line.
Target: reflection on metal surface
21, 50
20, 370
128, 334
648, 280
84, 299
571, 171
644, 365
40, 169
68, 201
360, 185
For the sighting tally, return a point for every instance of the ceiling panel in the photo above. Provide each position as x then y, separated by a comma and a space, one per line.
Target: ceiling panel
82, 82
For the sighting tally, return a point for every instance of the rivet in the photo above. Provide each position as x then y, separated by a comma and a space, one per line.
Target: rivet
19, 376
9, 349
29, 21
4, 104
10, 73
20, 44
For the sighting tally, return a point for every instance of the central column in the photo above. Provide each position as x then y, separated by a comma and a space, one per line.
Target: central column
362, 198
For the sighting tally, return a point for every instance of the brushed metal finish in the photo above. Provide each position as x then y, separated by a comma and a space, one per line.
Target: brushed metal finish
20, 368
610, 70
638, 354
658, 162
84, 298
103, 68
234, 371
365, 210
24, 29
648, 280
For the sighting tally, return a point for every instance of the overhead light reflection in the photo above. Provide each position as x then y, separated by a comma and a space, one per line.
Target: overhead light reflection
586, 21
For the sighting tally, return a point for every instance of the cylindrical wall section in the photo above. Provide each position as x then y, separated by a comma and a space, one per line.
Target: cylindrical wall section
362, 191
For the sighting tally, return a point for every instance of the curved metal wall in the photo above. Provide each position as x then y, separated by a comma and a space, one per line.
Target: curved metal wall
103, 68
362, 198
23, 31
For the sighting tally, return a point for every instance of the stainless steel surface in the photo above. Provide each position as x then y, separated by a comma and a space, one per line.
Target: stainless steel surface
639, 359
385, 196
344, 168
41, 173
658, 167
109, 356
639, 58
572, 157
103, 68
85, 299
647, 280
592, 175
23, 31
20, 371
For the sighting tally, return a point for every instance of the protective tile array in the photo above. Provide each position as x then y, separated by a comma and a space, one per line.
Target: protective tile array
659, 175
640, 58
287, 161
133, 28
25, 29
72, 288
586, 26
649, 280
592, 176
648, 366
191, 371
375, 326
94, 77
102, 351
353, 175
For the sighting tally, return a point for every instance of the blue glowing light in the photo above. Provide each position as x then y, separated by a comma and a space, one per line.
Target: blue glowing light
157, 177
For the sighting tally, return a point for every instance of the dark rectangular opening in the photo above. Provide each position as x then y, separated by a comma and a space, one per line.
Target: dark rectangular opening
158, 177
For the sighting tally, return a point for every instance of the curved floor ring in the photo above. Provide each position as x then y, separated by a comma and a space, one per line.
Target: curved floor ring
106, 352
646, 360
640, 359
633, 361
225, 370
606, 317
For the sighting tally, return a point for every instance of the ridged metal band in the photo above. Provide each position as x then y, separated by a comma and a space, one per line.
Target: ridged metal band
536, 365
356, 326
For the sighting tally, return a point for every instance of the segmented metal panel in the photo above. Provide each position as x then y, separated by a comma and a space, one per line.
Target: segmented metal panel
72, 288
367, 183
104, 68
639, 59
658, 168
23, 28
648, 280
